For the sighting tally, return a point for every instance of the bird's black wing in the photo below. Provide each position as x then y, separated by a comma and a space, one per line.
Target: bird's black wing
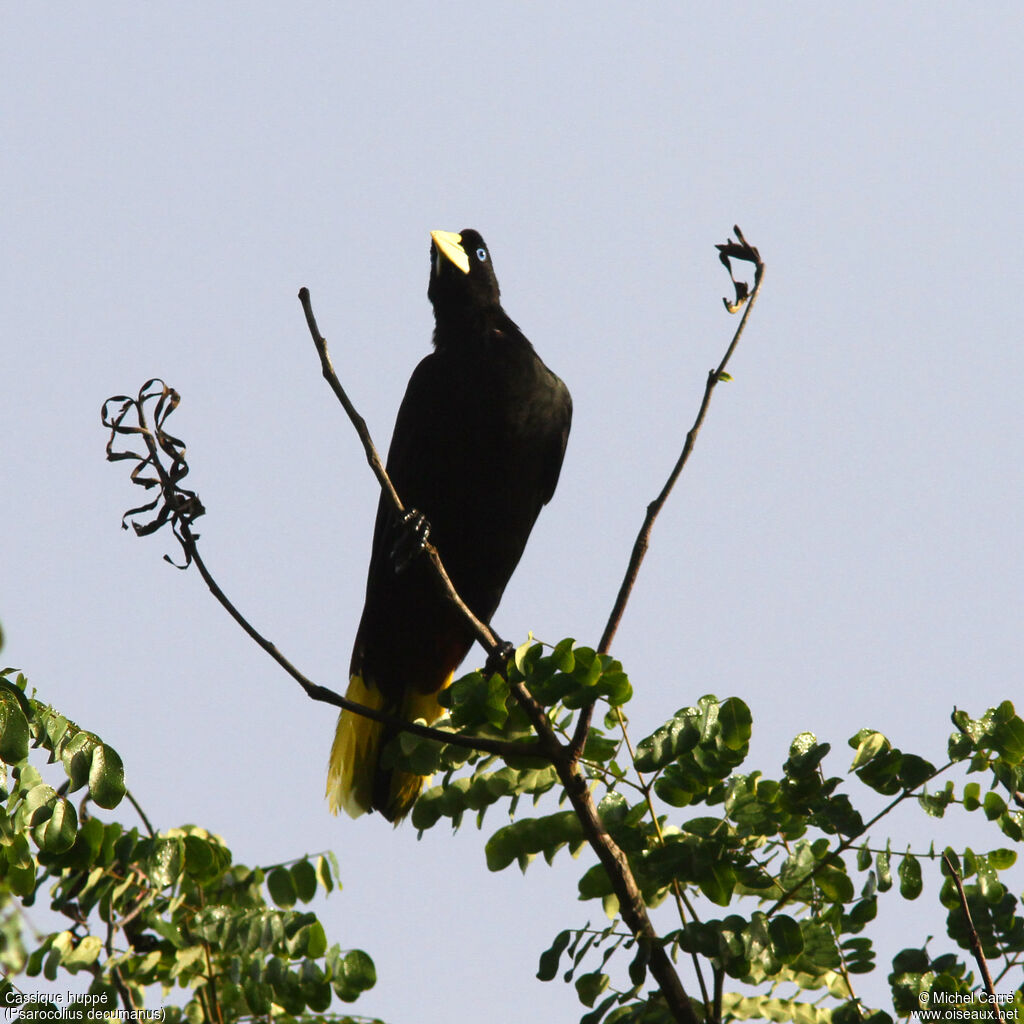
561, 420
411, 462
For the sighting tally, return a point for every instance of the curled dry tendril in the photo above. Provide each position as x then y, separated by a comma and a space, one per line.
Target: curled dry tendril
161, 462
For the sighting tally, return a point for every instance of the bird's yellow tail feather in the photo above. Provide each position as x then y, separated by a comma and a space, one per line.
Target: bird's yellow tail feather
356, 751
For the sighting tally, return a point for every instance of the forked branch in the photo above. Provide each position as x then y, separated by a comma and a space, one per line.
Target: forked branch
564, 758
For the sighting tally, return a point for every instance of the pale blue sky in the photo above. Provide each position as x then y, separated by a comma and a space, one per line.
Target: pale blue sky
844, 549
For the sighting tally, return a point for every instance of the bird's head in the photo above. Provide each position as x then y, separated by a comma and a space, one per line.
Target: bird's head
462, 279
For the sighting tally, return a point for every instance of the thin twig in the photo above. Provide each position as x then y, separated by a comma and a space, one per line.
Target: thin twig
141, 813
742, 251
372, 457
643, 537
975, 940
122, 989
215, 1015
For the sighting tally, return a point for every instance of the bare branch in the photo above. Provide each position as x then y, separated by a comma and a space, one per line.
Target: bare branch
357, 421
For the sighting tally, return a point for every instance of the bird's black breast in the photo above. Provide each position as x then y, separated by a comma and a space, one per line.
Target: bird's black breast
477, 448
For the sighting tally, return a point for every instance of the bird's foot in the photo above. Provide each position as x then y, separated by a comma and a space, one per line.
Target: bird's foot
498, 659
414, 532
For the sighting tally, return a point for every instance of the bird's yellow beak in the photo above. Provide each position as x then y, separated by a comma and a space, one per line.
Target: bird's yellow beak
449, 244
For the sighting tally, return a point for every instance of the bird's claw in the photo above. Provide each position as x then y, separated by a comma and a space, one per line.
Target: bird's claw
414, 532
498, 659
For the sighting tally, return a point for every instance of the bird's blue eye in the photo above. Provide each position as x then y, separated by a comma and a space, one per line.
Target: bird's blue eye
481, 255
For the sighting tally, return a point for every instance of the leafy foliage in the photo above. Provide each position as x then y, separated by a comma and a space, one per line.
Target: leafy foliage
169, 909
776, 880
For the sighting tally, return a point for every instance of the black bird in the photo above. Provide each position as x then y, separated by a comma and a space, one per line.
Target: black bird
476, 452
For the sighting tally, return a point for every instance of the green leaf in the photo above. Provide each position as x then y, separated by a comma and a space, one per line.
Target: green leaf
562, 656
835, 884
282, 888
212, 923
548, 967
84, 954
736, 722
166, 861
476, 700
994, 806
187, 960
638, 965
935, 804
590, 986
910, 877
786, 938
819, 946
258, 995
87, 845
316, 945
323, 874
862, 913
599, 748
199, 859
869, 745
58, 731
304, 880
57, 834
1002, 859
914, 770
527, 837
883, 869
106, 777
38, 805
22, 879
354, 974
803, 743
676, 737
992, 890
717, 880
1008, 734
76, 756
522, 651
615, 687
14, 730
